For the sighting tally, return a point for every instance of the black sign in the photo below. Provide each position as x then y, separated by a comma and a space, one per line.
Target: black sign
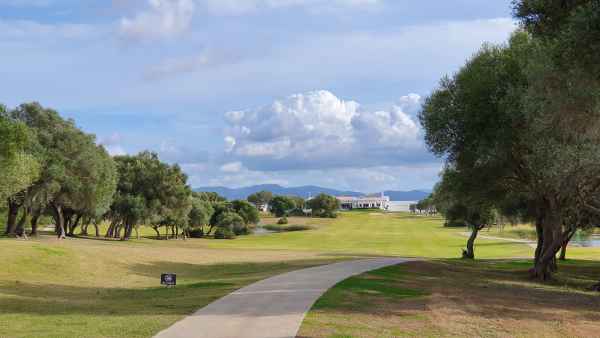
168, 279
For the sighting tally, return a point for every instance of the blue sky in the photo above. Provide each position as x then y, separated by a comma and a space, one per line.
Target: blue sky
242, 92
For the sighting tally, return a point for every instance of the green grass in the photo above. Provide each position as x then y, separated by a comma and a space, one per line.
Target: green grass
87, 287
377, 233
454, 297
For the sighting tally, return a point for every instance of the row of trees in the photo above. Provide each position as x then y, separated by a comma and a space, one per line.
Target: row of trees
50, 167
322, 205
518, 127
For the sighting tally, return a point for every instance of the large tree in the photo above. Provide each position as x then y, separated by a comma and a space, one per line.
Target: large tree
149, 192
76, 178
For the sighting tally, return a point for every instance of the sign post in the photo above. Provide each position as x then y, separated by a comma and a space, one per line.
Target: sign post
168, 279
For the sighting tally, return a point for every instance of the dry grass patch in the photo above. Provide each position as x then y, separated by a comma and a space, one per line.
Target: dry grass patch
456, 298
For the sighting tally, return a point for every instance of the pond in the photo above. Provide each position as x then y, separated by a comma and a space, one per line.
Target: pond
589, 241
260, 231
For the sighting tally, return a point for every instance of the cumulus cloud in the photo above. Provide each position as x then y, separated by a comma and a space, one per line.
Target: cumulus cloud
162, 19
318, 129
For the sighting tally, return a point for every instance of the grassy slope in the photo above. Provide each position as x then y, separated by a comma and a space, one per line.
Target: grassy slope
95, 288
87, 288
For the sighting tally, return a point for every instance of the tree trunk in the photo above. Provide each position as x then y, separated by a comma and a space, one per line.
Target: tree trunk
20, 229
552, 241
137, 232
74, 225
97, 229
13, 213
470, 252
34, 224
60, 222
157, 232
567, 239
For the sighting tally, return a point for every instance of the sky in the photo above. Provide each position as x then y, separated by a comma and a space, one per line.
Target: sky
244, 92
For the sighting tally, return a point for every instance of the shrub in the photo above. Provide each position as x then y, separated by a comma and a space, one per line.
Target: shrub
196, 232
282, 221
241, 229
224, 233
283, 228
296, 212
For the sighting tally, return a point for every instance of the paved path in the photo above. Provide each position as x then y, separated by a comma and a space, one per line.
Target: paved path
271, 308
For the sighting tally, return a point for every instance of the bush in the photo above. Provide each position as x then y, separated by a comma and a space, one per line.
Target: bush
196, 233
282, 228
454, 224
296, 212
282, 221
241, 229
224, 233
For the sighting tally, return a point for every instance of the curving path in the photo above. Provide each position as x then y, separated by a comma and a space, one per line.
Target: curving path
271, 308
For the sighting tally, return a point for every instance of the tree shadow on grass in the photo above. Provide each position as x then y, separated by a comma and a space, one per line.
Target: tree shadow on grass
491, 289
198, 285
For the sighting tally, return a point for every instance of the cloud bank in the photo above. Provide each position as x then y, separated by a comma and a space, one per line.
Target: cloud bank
317, 129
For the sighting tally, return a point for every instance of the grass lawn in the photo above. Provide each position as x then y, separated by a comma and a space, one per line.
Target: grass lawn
93, 288
97, 288
488, 298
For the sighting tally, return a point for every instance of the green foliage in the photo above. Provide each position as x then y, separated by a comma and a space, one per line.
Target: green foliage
224, 233
233, 222
283, 220
211, 197
324, 205
196, 232
201, 212
246, 210
260, 198
281, 205
151, 191
287, 228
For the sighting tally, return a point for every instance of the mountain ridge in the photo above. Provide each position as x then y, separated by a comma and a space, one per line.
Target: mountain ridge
307, 191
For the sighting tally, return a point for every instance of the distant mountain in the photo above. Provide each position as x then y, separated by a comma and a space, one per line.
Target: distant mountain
306, 191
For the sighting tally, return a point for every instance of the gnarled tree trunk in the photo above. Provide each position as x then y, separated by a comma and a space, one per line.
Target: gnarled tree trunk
470, 252
34, 224
13, 213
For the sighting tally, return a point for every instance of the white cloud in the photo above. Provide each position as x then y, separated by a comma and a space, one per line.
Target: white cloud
236, 7
318, 129
233, 167
27, 29
163, 19
112, 144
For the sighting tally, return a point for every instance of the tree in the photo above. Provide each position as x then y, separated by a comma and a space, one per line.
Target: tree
211, 197
149, 191
19, 168
261, 199
200, 212
77, 177
324, 205
281, 205
229, 223
246, 210
501, 122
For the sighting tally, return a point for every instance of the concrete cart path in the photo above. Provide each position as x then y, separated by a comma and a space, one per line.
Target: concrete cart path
271, 308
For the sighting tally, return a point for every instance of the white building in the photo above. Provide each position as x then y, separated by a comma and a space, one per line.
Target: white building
365, 202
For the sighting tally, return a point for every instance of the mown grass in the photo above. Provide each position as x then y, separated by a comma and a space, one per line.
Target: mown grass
91, 287
452, 297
